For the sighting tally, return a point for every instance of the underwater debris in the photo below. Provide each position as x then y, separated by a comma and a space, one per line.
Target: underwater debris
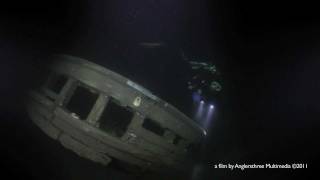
151, 44
101, 116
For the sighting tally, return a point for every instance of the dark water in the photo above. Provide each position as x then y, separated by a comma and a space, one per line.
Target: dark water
268, 55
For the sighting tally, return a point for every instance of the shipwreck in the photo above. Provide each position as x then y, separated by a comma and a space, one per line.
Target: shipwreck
102, 116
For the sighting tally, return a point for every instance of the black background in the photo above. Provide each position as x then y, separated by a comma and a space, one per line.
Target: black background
267, 51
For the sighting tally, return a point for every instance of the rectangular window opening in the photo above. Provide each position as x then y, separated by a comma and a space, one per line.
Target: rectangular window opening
115, 118
153, 127
82, 102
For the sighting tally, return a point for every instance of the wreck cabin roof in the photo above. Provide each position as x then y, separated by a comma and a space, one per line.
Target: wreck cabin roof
125, 90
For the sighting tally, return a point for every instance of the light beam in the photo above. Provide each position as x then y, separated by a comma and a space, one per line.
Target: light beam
208, 117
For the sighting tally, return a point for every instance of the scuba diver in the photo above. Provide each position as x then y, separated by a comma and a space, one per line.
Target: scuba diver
204, 78
204, 81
